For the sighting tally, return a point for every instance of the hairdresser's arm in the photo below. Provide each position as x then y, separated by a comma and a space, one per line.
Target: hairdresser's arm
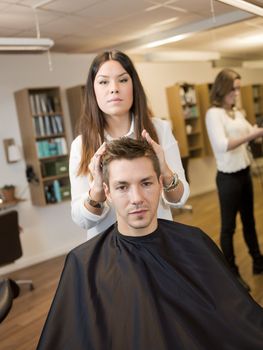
83, 215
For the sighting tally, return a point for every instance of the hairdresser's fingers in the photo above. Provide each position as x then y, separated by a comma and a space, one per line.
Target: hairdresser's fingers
100, 151
157, 149
102, 147
147, 137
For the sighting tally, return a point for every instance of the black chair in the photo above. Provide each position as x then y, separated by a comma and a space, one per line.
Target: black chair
9, 290
10, 244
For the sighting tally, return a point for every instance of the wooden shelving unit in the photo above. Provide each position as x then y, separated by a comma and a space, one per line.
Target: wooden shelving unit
184, 113
252, 102
42, 127
75, 97
203, 92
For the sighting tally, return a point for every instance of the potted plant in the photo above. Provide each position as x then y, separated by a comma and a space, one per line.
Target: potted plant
8, 193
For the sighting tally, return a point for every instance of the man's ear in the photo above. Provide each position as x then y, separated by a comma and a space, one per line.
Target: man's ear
107, 191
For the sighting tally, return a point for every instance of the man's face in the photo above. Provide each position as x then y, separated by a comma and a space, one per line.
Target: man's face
134, 190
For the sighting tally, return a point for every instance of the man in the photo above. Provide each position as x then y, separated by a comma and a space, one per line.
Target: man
148, 284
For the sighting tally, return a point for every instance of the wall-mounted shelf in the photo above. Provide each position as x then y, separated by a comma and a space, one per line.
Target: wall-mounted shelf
252, 102
75, 97
184, 113
43, 133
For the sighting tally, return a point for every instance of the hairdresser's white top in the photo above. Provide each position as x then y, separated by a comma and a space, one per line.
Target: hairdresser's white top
221, 128
80, 185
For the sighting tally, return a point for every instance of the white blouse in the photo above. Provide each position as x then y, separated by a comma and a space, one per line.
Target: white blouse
221, 128
80, 185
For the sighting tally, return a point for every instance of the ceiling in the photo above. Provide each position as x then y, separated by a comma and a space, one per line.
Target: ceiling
88, 26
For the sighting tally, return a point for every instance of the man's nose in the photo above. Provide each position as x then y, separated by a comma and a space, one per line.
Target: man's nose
136, 196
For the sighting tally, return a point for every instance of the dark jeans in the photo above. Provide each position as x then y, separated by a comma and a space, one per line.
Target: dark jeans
235, 192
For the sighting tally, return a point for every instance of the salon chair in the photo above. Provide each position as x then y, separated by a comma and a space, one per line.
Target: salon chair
9, 290
11, 250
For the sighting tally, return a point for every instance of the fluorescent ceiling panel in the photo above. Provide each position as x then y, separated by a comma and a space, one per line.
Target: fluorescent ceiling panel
244, 5
25, 44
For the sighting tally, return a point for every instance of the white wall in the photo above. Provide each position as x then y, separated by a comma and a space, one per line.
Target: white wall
49, 231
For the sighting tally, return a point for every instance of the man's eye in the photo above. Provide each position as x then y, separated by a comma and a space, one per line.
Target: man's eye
147, 184
121, 188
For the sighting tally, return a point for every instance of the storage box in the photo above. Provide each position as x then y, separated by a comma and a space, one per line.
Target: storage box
65, 192
48, 169
59, 167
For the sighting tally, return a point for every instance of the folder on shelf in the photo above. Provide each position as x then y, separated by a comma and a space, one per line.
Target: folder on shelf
59, 125
47, 125
57, 192
33, 104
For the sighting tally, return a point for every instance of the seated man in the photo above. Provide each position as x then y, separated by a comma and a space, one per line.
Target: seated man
148, 284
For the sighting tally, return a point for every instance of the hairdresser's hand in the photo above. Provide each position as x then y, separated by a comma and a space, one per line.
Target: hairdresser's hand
165, 170
96, 190
256, 132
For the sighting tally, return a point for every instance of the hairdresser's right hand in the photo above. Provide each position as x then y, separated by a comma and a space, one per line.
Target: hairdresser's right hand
96, 190
257, 132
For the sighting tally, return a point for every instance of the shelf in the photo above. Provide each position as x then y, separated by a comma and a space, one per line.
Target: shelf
55, 177
194, 148
252, 101
38, 138
6, 205
53, 157
50, 114
183, 105
75, 98
191, 118
45, 147
203, 92
194, 133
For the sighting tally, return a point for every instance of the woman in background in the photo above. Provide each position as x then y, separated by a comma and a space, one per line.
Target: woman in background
229, 133
116, 106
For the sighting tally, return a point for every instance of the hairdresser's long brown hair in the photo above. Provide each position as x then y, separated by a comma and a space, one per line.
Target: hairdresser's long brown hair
92, 121
222, 86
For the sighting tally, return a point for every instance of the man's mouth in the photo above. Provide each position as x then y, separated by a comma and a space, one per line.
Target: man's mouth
138, 211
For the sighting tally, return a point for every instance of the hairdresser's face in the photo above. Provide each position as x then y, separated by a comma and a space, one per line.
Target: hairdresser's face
134, 190
231, 98
113, 89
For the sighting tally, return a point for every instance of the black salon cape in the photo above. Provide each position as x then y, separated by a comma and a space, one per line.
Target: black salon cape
167, 290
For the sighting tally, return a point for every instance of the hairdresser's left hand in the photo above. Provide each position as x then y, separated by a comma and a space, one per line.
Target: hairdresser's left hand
165, 170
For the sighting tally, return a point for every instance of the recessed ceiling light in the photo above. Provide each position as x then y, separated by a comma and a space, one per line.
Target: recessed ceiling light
169, 40
170, 56
244, 5
166, 21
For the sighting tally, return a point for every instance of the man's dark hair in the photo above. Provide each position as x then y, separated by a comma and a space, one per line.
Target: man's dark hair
127, 148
